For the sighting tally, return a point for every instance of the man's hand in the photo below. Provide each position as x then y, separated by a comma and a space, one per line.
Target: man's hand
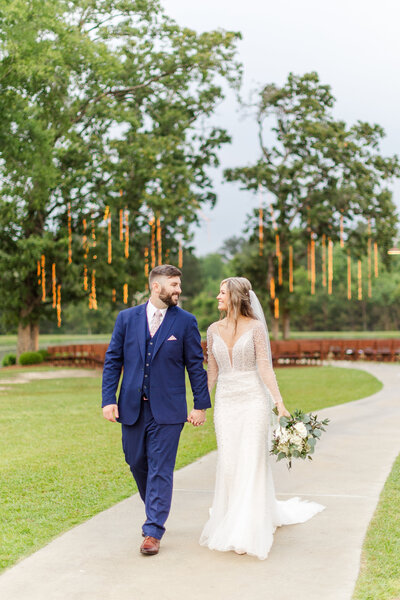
110, 412
197, 417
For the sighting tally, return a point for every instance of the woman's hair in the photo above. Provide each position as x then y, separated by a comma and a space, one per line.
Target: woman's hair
239, 298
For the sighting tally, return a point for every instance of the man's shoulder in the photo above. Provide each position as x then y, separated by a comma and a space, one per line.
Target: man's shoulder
131, 311
184, 314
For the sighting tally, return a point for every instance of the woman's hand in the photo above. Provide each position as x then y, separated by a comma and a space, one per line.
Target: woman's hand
282, 410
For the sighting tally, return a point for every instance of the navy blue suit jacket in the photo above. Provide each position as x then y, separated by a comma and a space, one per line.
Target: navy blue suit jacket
167, 376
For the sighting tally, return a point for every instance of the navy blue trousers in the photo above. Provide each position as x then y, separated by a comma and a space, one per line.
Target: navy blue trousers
150, 451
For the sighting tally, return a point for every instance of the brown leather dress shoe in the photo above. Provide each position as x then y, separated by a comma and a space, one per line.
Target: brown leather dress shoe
150, 545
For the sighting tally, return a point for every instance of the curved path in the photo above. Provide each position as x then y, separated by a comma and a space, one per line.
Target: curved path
99, 560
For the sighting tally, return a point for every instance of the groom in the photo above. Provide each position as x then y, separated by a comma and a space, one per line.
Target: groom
153, 343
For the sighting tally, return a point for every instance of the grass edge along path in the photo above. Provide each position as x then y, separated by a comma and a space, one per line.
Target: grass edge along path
379, 576
62, 463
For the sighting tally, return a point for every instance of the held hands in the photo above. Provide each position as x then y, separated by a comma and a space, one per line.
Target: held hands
197, 417
110, 412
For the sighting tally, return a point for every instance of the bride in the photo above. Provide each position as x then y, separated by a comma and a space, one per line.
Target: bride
245, 512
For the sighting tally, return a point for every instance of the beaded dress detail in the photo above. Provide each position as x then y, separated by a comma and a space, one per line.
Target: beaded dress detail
245, 512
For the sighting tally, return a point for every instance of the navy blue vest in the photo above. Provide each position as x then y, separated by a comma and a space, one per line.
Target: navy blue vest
150, 343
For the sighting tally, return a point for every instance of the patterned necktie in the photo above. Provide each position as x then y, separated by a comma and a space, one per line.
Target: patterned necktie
155, 322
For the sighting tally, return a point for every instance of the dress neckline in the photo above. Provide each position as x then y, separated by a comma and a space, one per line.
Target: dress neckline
230, 356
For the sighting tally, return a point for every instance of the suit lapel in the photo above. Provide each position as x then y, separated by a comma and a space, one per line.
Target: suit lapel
141, 321
165, 327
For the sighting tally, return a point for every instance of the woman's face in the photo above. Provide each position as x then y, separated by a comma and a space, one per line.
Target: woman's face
223, 297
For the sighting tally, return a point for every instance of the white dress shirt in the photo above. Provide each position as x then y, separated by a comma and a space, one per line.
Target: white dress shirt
151, 310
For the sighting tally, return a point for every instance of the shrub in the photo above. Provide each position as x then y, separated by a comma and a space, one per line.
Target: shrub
30, 358
8, 360
45, 354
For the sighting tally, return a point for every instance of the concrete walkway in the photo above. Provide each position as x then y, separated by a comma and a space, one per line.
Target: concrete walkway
100, 560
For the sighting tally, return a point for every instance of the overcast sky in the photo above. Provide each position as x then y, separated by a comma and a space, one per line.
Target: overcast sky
354, 45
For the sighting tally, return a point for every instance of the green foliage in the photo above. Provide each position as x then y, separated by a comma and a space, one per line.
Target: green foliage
316, 170
30, 358
9, 359
45, 354
98, 97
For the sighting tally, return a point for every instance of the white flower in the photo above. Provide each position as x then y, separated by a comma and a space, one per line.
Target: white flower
301, 429
281, 434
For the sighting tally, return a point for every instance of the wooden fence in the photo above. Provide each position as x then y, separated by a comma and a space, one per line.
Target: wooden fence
284, 353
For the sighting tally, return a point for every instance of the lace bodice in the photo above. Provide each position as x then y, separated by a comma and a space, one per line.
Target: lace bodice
249, 353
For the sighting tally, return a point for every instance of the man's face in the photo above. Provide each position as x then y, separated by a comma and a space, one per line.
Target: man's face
170, 290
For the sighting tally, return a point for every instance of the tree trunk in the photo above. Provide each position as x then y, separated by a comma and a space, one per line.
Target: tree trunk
275, 328
28, 337
364, 315
286, 325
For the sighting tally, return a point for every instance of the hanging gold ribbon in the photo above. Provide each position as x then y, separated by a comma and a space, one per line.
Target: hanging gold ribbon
53, 284
290, 268
330, 265
348, 276
359, 276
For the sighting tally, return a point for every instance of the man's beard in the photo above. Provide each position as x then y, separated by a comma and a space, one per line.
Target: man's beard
169, 299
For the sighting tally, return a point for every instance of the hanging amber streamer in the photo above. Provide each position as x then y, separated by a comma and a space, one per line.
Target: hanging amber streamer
69, 234
272, 288
312, 261
121, 225
125, 293
180, 256
39, 270
152, 223
84, 238
43, 263
85, 279
290, 268
341, 232
109, 259
167, 252
126, 233
369, 267
277, 244
94, 238
260, 232
53, 284
324, 260
280, 273
92, 297
330, 265
348, 276
308, 261
59, 305
276, 308
359, 274
106, 213
159, 241
146, 262
376, 268
114, 295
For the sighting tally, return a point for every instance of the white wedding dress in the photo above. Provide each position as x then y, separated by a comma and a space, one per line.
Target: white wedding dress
245, 512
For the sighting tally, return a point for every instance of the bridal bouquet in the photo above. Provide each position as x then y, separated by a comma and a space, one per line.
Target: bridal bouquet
296, 436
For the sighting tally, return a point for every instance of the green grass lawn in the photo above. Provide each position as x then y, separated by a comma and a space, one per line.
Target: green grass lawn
380, 566
61, 462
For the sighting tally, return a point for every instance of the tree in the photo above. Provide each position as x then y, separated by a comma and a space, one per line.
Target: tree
322, 177
98, 97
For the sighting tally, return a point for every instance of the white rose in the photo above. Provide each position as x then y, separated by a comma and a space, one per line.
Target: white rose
296, 440
282, 434
301, 429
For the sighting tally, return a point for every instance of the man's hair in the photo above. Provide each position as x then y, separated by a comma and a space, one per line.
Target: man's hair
163, 271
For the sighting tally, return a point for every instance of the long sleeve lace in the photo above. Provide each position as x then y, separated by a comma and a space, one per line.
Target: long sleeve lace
212, 366
264, 364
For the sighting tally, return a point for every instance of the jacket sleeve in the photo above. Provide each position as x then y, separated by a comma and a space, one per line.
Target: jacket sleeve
193, 355
113, 363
